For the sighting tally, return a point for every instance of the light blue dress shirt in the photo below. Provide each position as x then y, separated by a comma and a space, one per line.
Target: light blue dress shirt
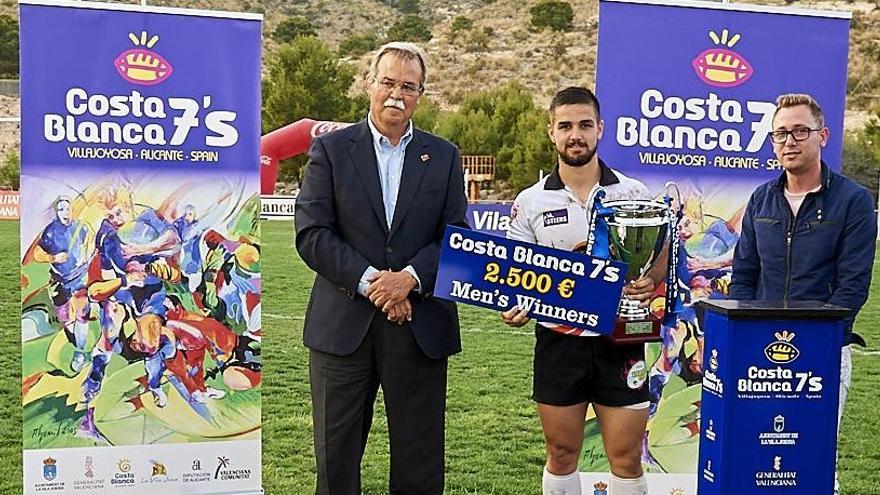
390, 161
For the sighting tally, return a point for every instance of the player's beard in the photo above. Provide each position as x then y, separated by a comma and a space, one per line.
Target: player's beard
580, 160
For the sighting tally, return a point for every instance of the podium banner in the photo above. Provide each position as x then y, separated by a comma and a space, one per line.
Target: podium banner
769, 391
696, 109
140, 248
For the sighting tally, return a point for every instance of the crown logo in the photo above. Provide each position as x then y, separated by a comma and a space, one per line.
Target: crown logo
720, 66
782, 351
723, 58
49, 461
724, 40
600, 486
141, 65
142, 41
784, 336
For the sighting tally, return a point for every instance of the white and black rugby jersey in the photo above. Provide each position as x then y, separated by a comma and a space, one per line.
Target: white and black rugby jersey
550, 214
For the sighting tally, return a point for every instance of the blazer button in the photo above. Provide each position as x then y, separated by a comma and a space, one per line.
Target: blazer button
388, 249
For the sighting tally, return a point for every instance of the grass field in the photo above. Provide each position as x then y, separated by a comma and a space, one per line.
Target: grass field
494, 441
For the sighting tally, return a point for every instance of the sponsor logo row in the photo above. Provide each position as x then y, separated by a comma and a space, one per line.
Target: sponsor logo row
86, 476
601, 488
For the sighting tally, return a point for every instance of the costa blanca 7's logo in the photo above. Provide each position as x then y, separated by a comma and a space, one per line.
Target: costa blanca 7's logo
142, 65
720, 66
782, 351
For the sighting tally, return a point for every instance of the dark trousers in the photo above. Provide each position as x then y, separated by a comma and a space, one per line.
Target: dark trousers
343, 392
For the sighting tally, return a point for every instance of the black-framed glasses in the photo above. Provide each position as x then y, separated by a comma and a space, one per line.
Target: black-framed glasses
798, 133
408, 89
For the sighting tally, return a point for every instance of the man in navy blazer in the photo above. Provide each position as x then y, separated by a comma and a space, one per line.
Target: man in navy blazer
370, 217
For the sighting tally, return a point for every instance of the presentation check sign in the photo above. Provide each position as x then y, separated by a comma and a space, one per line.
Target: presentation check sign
557, 286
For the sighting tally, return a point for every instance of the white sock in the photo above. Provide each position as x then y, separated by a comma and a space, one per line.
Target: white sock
629, 486
561, 484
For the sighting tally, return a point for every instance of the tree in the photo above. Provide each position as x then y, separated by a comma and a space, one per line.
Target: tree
531, 152
503, 105
293, 27
8, 46
10, 171
861, 156
305, 79
356, 45
554, 14
485, 120
502, 122
471, 131
410, 28
427, 114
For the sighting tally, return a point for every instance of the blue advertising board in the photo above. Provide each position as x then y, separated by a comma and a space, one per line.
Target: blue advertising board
490, 218
557, 286
769, 404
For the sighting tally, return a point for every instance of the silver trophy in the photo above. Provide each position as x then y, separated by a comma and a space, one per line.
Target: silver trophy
640, 233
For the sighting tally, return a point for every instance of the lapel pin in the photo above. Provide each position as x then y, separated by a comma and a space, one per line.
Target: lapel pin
425, 157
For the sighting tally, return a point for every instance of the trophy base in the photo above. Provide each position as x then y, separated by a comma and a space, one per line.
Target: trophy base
636, 331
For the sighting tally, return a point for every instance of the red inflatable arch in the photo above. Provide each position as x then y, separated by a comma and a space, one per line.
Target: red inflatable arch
287, 142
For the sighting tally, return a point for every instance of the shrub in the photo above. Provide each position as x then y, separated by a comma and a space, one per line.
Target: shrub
554, 14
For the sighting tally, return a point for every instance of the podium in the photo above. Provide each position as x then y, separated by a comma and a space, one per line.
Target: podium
770, 394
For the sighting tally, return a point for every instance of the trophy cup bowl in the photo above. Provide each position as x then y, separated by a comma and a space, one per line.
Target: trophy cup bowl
638, 233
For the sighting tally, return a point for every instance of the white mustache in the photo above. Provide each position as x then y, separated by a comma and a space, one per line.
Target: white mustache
394, 102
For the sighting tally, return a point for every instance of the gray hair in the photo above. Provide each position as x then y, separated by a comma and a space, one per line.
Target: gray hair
402, 49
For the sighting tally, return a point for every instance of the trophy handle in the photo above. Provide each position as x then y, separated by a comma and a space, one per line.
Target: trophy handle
673, 301
594, 200
668, 186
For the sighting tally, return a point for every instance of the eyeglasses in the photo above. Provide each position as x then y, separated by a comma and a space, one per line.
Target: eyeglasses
798, 133
408, 89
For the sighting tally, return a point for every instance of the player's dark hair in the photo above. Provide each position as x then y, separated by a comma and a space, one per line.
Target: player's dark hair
575, 95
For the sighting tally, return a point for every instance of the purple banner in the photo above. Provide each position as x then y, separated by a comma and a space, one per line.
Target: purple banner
153, 89
688, 93
140, 249
700, 104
